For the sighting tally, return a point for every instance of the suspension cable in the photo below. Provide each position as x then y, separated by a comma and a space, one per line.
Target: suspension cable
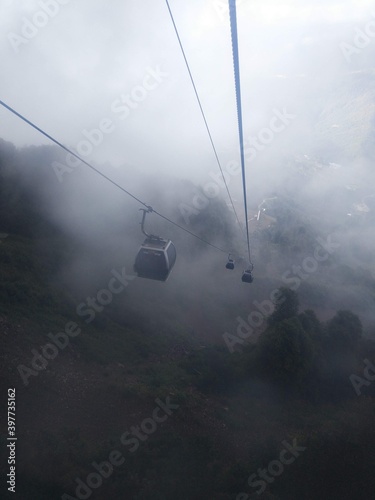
149, 208
234, 37
203, 114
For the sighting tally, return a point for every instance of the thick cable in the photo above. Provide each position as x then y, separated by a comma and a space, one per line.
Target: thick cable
234, 36
203, 114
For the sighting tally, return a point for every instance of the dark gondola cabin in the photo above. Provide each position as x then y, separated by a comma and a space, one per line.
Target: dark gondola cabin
155, 259
247, 277
230, 263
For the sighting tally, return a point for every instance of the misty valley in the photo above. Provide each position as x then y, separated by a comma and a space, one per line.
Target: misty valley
187, 236
91, 347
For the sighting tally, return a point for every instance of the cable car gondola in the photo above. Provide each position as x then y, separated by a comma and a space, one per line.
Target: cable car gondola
156, 257
247, 276
230, 263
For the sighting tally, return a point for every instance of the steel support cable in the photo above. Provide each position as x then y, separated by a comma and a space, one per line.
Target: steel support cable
203, 114
234, 37
149, 208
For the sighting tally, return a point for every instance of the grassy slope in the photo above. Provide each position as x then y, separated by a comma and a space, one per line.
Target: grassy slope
107, 379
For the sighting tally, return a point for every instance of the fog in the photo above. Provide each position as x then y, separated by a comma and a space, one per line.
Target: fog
70, 74
108, 80
74, 75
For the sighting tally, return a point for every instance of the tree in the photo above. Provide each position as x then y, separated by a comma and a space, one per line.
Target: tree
286, 306
286, 352
344, 332
311, 324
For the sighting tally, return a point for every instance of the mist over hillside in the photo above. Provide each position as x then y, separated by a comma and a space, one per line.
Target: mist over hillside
312, 191
203, 386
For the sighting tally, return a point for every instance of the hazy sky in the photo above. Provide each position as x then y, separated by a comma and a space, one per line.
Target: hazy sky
84, 58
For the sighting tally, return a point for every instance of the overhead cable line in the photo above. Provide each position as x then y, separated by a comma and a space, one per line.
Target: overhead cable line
234, 36
69, 151
202, 112
149, 208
